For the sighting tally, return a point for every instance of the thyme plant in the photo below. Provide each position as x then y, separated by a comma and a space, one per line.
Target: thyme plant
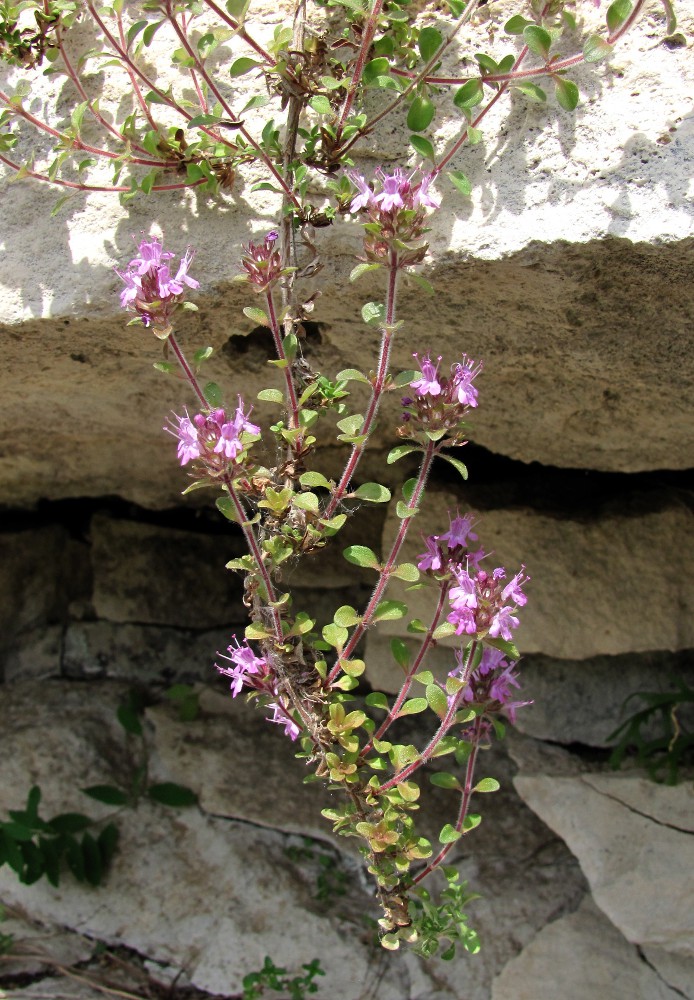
322, 85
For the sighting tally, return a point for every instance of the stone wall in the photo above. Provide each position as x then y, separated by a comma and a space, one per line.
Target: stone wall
574, 283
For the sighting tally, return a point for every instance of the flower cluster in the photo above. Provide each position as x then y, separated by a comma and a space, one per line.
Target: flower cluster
213, 438
490, 684
481, 604
479, 601
441, 402
262, 263
254, 672
150, 288
396, 211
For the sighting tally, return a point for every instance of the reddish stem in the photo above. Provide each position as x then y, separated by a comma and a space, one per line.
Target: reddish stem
407, 683
25, 171
241, 515
227, 109
366, 39
241, 31
292, 404
376, 391
464, 802
385, 573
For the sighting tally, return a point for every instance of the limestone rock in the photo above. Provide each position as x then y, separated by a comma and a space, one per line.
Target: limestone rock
214, 895
580, 957
569, 271
633, 840
590, 593
164, 576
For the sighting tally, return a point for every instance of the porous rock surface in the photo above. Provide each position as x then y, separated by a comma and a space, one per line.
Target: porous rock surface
569, 272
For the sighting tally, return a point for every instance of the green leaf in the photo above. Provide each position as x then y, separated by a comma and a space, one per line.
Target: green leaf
352, 424
461, 182
373, 312
389, 611
531, 90
429, 42
320, 104
449, 835
361, 555
444, 780
335, 635
271, 395
170, 794
351, 375
256, 315
202, 354
617, 13
108, 794
91, 857
225, 505
421, 114
469, 95
413, 707
242, 65
516, 25
307, 501
471, 822
438, 702
487, 785
374, 69
129, 720
596, 48
357, 272
213, 394
346, 616
70, 823
423, 147
377, 700
507, 648
373, 492
399, 451
108, 843
443, 630
407, 572
403, 511
567, 93
314, 479
401, 652
416, 627
255, 631
456, 463
538, 40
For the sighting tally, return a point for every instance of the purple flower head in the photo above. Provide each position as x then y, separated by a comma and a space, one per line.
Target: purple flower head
365, 196
432, 558
428, 383
150, 290
502, 623
460, 384
282, 717
422, 196
465, 594
213, 438
513, 590
396, 189
188, 441
262, 262
246, 664
460, 531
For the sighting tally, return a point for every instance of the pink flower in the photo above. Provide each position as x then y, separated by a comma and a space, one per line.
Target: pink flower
432, 558
207, 436
427, 384
365, 196
502, 623
513, 590
395, 190
283, 718
422, 196
460, 385
150, 290
188, 441
246, 664
460, 531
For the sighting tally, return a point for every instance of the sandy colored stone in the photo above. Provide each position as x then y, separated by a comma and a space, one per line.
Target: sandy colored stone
634, 841
569, 271
580, 957
593, 591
